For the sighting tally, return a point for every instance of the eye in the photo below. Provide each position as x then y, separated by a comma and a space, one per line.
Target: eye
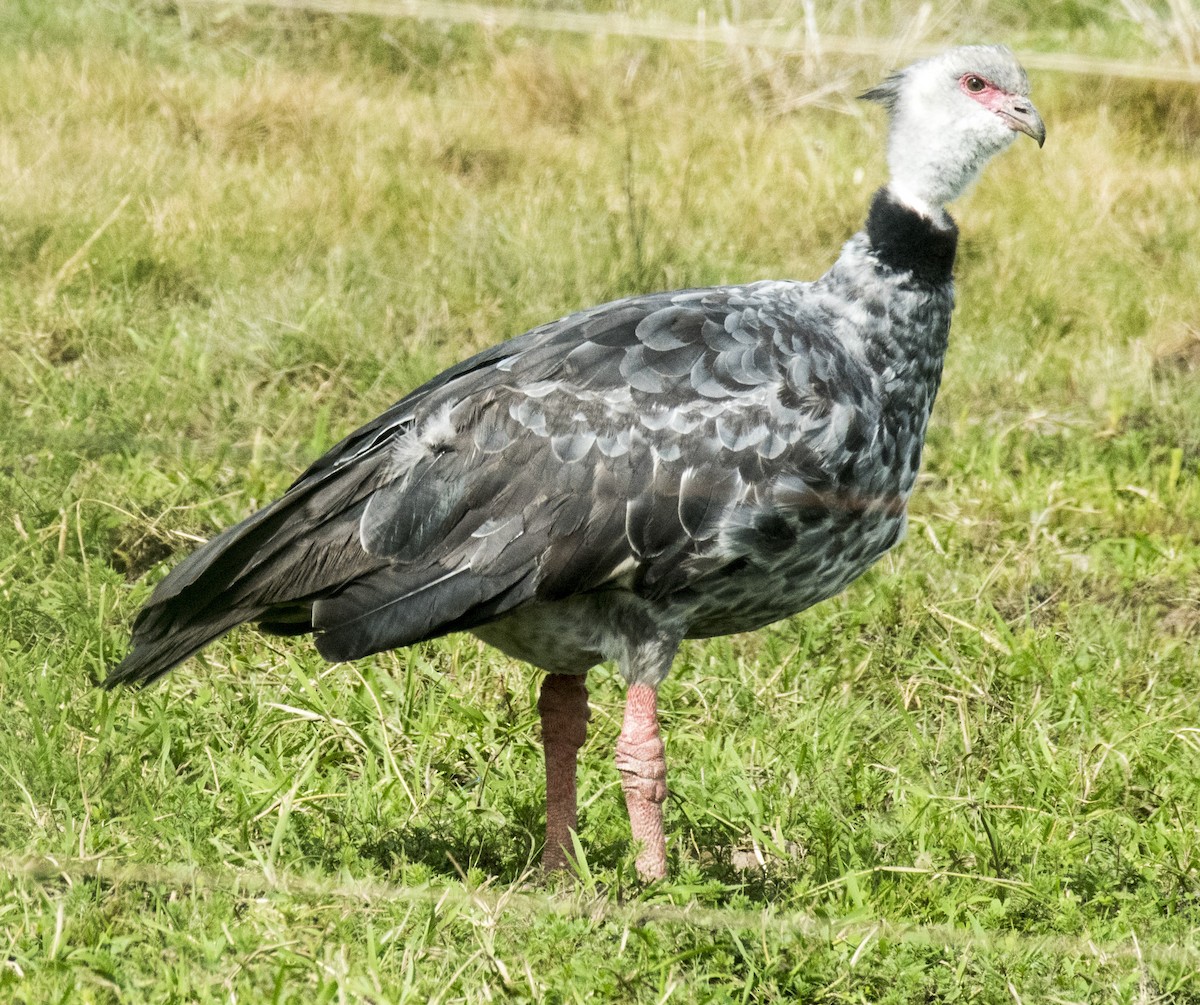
974, 84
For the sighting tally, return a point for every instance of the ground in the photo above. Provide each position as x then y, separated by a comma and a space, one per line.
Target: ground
228, 235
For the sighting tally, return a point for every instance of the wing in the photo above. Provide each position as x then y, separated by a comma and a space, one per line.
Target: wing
642, 445
632, 444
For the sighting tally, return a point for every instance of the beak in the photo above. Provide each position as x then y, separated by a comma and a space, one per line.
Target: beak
1021, 116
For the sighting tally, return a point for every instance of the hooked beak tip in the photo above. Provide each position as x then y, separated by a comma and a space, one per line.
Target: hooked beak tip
1024, 118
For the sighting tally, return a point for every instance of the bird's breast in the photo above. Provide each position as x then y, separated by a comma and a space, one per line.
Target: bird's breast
771, 582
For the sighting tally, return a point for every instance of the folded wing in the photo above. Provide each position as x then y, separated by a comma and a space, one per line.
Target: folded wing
615, 447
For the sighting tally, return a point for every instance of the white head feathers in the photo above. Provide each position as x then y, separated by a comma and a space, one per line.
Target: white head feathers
950, 114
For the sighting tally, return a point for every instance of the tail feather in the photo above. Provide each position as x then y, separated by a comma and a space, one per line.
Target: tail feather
271, 566
153, 655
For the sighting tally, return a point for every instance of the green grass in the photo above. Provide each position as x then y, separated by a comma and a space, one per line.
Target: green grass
228, 236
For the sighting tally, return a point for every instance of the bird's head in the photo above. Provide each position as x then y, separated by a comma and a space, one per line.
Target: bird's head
949, 114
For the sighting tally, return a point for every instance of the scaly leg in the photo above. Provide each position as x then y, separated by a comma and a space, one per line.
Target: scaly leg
564, 710
642, 762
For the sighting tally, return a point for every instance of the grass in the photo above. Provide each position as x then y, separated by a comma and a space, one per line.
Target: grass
228, 235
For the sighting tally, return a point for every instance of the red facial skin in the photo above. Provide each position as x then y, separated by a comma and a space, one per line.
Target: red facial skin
988, 95
1017, 111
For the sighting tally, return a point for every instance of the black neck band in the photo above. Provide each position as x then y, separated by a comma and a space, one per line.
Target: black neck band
909, 242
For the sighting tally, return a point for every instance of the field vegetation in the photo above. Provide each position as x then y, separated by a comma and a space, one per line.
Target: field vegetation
230, 234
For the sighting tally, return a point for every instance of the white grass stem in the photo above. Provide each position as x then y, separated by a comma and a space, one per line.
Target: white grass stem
73, 264
385, 896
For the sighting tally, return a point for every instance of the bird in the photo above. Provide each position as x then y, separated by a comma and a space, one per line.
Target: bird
668, 466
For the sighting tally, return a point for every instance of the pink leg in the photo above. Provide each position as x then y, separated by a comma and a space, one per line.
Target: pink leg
564, 710
643, 765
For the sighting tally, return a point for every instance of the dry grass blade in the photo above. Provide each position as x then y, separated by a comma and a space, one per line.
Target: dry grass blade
77, 260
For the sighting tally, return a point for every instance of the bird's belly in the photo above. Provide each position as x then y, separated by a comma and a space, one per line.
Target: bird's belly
557, 637
769, 587
575, 633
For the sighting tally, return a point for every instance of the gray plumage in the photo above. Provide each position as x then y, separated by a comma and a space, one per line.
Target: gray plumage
677, 465
704, 461
671, 466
